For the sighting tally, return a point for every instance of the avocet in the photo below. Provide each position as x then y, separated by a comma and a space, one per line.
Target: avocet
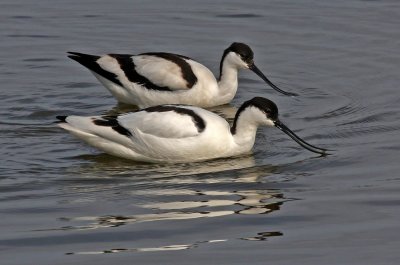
156, 78
178, 133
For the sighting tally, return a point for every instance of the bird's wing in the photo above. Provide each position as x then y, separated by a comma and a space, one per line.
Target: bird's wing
165, 121
166, 70
160, 123
155, 71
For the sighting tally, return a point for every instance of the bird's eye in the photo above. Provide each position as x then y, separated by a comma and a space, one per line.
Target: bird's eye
249, 61
245, 57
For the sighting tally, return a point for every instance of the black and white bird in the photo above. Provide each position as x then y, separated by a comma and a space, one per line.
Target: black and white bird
178, 133
156, 78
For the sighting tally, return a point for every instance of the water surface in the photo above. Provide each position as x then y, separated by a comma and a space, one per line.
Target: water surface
61, 202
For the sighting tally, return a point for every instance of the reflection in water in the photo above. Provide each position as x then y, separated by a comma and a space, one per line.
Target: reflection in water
115, 221
252, 201
214, 189
248, 202
261, 236
191, 192
150, 249
106, 166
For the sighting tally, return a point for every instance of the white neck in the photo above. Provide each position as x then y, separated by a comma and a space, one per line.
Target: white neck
244, 129
245, 126
228, 82
228, 79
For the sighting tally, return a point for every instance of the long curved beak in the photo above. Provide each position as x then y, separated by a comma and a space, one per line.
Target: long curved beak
283, 128
255, 69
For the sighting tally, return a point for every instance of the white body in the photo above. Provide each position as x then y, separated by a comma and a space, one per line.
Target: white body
170, 136
206, 92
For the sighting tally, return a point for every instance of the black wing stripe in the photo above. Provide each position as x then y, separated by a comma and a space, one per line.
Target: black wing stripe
198, 121
89, 61
128, 67
187, 72
111, 121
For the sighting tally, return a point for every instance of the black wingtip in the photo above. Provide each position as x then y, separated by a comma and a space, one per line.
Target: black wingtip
79, 54
90, 62
73, 53
73, 57
83, 58
61, 119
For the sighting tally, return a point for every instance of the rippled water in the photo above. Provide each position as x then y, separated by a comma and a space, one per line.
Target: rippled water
62, 202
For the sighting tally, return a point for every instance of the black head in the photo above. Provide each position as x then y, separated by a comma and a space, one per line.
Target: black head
270, 110
247, 57
243, 50
265, 105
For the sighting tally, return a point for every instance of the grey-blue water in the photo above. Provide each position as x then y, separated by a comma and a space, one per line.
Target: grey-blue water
62, 202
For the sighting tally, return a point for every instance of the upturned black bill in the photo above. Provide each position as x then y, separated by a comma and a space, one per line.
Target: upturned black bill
283, 128
254, 68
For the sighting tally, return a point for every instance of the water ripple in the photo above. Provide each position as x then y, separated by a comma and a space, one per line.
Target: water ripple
243, 15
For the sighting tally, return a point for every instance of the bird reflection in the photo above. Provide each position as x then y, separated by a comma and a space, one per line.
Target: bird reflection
149, 249
261, 236
249, 202
214, 189
103, 166
190, 195
255, 203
